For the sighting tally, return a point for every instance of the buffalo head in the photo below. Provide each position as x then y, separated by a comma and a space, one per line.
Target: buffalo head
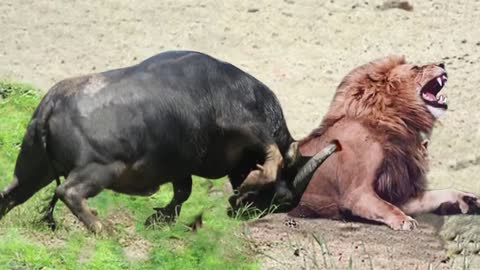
285, 193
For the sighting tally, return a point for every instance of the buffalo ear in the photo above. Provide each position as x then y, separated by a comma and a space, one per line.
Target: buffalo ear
295, 160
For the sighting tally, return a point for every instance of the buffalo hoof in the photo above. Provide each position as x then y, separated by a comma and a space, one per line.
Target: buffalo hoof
49, 221
160, 217
97, 227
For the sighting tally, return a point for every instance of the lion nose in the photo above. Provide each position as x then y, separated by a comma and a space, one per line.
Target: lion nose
442, 65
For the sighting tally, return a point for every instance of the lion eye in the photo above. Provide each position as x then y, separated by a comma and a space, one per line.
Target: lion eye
415, 68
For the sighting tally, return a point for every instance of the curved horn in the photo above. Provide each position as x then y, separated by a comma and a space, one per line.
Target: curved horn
306, 172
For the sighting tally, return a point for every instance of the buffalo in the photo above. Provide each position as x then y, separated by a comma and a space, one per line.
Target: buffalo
174, 115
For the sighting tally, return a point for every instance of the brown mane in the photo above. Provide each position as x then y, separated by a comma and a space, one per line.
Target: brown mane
382, 102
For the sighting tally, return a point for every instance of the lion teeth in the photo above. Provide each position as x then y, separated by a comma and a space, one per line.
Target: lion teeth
440, 81
442, 99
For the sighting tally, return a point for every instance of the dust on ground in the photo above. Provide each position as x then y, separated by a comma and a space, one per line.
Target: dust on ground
285, 243
301, 49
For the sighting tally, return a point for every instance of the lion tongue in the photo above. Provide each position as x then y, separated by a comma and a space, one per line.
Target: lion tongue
429, 96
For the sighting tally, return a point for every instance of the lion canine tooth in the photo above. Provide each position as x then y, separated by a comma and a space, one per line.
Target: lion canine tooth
439, 80
442, 99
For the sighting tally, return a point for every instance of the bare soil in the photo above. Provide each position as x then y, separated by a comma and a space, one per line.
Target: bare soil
301, 49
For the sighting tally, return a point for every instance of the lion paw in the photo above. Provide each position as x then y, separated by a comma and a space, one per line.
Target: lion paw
469, 203
459, 202
405, 223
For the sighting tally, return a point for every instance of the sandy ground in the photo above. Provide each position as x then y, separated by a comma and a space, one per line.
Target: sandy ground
301, 49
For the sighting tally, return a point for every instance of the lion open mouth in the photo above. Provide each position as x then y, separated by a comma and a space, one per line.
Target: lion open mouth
430, 92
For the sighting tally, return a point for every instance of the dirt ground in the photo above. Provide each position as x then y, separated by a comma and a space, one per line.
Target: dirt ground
301, 49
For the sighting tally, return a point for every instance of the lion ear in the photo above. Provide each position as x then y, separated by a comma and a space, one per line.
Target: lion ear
378, 70
398, 59
375, 76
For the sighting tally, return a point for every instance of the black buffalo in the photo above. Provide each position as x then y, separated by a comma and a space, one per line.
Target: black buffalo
174, 115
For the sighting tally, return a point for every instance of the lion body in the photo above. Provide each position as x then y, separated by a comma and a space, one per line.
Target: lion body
377, 118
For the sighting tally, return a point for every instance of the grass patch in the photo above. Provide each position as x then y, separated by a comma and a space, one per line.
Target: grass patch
25, 244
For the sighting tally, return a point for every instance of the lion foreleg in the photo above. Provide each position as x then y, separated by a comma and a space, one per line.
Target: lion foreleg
365, 203
443, 202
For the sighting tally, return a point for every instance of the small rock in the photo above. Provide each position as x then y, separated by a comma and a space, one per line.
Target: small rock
446, 259
296, 252
252, 10
390, 4
464, 41
122, 242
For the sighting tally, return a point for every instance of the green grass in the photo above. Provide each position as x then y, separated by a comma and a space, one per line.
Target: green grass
26, 244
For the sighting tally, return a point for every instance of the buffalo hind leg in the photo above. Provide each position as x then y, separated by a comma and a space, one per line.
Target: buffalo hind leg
83, 184
47, 217
443, 202
365, 203
182, 188
19, 191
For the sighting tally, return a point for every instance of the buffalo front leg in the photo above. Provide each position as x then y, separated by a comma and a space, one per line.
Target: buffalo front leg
365, 203
443, 202
182, 188
266, 173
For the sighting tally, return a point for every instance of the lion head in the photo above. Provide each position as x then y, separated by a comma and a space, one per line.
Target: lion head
428, 81
390, 94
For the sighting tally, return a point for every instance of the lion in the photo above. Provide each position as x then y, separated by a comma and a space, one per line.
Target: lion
382, 116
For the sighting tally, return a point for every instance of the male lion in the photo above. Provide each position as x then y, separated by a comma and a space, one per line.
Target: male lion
381, 115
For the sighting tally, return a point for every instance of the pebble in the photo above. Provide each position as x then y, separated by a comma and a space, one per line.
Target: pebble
390, 4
